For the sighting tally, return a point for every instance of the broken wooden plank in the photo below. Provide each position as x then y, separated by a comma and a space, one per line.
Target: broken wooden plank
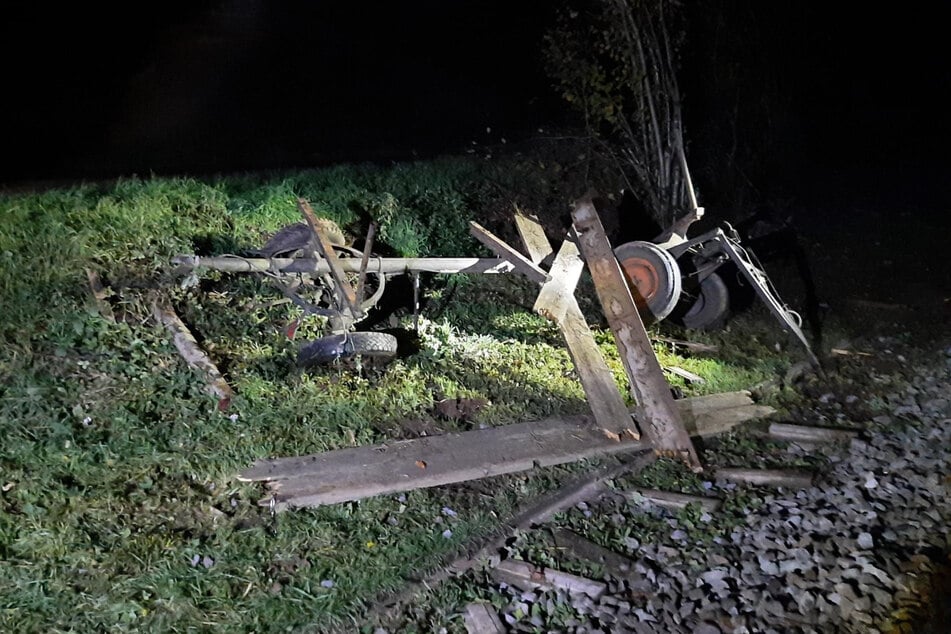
686, 375
342, 287
698, 405
524, 575
584, 549
533, 237
358, 472
191, 352
787, 478
521, 264
805, 433
673, 501
557, 302
480, 618
662, 423
718, 421
583, 488
557, 295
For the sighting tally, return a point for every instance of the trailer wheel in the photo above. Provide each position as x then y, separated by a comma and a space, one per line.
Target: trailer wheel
711, 305
333, 347
654, 274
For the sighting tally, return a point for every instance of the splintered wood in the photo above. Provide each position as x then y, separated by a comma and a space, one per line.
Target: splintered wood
358, 472
661, 422
556, 302
188, 348
355, 473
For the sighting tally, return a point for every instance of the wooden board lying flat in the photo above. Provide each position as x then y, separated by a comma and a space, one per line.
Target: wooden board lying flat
359, 472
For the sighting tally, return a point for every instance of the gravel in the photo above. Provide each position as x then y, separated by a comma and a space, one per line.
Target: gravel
851, 553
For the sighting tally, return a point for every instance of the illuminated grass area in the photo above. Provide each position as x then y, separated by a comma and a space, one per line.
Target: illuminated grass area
120, 509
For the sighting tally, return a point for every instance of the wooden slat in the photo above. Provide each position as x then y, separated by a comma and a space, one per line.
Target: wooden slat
558, 293
191, 352
788, 478
342, 288
522, 264
533, 237
717, 421
662, 423
805, 433
359, 472
481, 618
522, 574
557, 302
674, 501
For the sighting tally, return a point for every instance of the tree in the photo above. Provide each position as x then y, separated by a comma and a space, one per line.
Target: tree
615, 61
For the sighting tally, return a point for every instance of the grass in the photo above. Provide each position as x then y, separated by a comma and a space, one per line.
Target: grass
120, 510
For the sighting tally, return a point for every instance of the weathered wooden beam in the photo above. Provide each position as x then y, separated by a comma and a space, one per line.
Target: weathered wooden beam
359, 472
804, 433
522, 264
557, 295
662, 423
191, 352
787, 478
533, 237
673, 501
342, 287
713, 422
557, 302
522, 574
480, 618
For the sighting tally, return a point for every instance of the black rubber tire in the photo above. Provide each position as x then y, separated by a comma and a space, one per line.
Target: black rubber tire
710, 309
655, 274
333, 347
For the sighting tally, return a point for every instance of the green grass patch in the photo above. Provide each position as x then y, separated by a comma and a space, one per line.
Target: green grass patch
119, 508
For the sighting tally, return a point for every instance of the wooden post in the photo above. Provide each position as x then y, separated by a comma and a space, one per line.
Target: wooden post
556, 302
662, 423
498, 246
342, 288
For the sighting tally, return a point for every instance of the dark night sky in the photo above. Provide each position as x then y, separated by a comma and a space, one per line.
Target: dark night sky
222, 86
